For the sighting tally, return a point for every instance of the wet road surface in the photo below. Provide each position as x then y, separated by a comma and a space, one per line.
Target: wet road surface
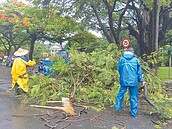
16, 115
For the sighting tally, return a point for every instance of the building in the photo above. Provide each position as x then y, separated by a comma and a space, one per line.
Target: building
54, 49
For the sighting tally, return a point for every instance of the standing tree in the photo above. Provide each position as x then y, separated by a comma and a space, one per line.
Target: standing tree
113, 17
27, 24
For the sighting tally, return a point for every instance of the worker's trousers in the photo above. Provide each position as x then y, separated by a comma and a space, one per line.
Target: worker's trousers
133, 92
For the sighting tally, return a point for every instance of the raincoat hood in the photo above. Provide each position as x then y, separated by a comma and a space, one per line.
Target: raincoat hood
128, 55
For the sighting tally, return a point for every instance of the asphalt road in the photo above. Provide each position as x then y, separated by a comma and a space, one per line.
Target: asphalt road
13, 113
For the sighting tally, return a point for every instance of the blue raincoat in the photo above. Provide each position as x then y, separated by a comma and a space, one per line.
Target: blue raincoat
130, 72
45, 70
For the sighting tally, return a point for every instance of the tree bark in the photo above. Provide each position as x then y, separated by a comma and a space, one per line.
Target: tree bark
156, 29
33, 39
156, 24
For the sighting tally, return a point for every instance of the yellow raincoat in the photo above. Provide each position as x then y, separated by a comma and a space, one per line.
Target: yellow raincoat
19, 73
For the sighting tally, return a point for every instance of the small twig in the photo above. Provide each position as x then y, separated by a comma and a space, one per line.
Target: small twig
41, 114
20, 115
76, 83
42, 118
74, 87
95, 117
155, 122
87, 118
66, 126
54, 116
84, 110
54, 126
50, 126
121, 123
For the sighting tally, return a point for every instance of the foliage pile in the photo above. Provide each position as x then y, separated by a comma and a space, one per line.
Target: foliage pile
92, 78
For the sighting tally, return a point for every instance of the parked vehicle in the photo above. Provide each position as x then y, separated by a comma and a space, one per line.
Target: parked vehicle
4, 60
1, 57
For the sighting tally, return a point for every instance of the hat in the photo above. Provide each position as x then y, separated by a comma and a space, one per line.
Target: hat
21, 52
130, 49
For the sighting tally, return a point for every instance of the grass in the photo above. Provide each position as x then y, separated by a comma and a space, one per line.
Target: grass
163, 73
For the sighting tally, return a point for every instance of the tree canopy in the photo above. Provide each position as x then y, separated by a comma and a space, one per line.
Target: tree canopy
135, 18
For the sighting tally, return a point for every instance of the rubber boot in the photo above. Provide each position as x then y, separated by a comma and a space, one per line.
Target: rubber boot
16, 90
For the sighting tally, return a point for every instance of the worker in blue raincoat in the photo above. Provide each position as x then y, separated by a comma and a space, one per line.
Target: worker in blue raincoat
19, 72
45, 70
130, 72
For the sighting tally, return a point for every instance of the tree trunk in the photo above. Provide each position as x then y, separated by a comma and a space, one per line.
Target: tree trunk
156, 29
163, 29
103, 27
33, 36
156, 24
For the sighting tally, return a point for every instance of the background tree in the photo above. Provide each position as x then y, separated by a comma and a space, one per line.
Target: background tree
11, 26
112, 17
26, 25
83, 41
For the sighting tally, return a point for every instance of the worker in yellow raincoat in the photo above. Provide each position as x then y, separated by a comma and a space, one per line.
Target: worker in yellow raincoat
19, 73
